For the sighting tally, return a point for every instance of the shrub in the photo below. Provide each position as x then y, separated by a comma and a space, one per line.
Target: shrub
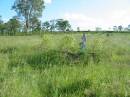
68, 44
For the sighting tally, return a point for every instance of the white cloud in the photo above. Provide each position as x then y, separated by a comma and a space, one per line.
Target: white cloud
118, 17
82, 20
108, 19
48, 1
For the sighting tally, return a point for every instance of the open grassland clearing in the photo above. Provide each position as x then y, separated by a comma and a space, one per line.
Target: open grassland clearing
52, 65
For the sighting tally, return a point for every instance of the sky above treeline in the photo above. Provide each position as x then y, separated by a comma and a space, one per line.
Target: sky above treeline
86, 14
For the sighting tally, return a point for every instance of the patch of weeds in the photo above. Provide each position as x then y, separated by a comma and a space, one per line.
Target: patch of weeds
16, 60
76, 86
8, 50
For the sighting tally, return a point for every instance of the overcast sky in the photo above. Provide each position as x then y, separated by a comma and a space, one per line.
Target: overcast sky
86, 14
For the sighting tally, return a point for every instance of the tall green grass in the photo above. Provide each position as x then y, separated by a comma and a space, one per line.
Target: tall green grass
53, 66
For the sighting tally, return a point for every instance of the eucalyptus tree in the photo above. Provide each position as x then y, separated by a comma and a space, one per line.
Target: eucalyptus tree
35, 24
120, 28
13, 26
28, 9
2, 26
53, 25
115, 28
46, 26
57, 25
49, 25
63, 25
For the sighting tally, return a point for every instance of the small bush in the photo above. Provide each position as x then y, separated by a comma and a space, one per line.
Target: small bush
68, 44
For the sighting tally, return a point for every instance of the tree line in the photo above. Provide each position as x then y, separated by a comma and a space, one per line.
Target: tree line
27, 19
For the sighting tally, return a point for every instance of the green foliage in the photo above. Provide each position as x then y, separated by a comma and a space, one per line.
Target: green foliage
53, 66
63, 25
57, 25
68, 44
35, 24
46, 26
29, 9
13, 26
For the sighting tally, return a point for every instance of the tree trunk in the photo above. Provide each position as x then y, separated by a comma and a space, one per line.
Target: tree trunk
27, 26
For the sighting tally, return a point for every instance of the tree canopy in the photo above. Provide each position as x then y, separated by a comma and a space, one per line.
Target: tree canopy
28, 9
57, 25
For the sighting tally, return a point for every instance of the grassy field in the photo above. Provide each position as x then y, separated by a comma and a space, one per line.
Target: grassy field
52, 65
